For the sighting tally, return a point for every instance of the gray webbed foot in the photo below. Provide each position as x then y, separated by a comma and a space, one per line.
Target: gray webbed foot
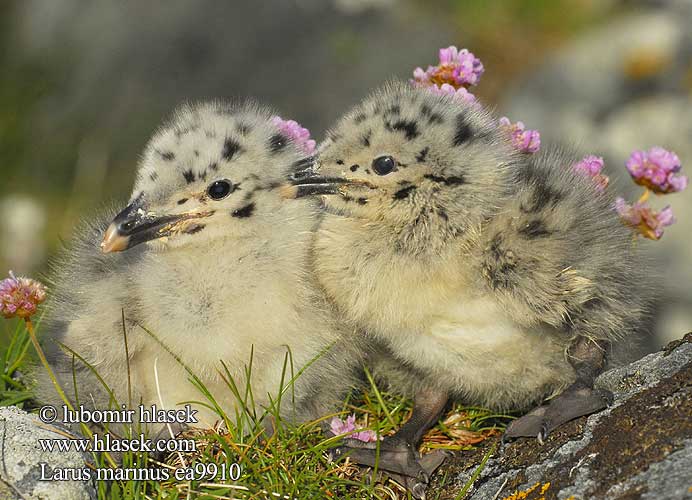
394, 455
430, 462
398, 454
397, 458
576, 401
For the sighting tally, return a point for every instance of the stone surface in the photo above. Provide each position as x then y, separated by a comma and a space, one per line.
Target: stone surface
21, 455
640, 447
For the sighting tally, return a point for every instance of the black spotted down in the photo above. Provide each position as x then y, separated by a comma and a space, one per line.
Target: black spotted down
359, 118
462, 131
500, 265
453, 180
535, 229
243, 128
404, 192
244, 212
435, 119
167, 155
365, 140
277, 143
394, 109
422, 154
542, 194
189, 176
231, 147
408, 127
353, 168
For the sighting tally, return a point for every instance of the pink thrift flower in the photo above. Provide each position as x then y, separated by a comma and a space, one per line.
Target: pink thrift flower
446, 89
644, 219
20, 296
298, 134
365, 436
458, 68
591, 166
524, 140
339, 428
656, 169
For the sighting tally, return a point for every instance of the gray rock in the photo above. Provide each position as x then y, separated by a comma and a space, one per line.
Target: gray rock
21, 469
640, 447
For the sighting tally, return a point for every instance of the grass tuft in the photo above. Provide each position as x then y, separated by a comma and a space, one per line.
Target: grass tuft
256, 453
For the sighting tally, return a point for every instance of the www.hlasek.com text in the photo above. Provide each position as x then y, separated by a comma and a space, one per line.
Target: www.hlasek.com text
110, 444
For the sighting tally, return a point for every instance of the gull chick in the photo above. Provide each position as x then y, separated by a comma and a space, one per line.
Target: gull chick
494, 277
213, 261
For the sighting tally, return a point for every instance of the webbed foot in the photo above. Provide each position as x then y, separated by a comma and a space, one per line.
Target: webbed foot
577, 400
396, 457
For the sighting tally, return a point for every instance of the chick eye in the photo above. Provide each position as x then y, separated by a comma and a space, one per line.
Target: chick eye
218, 190
382, 165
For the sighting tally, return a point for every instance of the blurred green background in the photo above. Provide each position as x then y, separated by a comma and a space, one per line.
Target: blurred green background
84, 84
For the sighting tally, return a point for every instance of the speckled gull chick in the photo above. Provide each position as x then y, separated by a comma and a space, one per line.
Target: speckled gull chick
211, 259
491, 276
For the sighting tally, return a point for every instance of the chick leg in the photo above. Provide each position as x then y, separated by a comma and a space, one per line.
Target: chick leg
398, 453
587, 357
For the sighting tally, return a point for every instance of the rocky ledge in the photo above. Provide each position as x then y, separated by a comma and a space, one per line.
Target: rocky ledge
640, 447
24, 465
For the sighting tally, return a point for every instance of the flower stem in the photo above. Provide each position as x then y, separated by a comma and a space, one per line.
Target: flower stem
56, 384
644, 196
44, 361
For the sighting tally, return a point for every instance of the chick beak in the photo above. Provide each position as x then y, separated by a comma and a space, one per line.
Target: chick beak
310, 184
133, 226
113, 241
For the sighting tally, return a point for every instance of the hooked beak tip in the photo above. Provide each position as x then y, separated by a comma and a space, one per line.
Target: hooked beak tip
113, 241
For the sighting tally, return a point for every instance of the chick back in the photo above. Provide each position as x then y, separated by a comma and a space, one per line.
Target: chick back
557, 253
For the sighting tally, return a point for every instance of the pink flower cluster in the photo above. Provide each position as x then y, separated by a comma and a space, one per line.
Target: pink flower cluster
457, 70
656, 170
591, 166
340, 428
447, 89
643, 218
523, 139
19, 297
297, 133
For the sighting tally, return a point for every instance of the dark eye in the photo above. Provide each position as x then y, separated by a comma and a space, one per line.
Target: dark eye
382, 165
218, 190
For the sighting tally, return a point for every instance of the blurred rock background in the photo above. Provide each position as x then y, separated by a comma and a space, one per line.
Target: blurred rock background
84, 83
